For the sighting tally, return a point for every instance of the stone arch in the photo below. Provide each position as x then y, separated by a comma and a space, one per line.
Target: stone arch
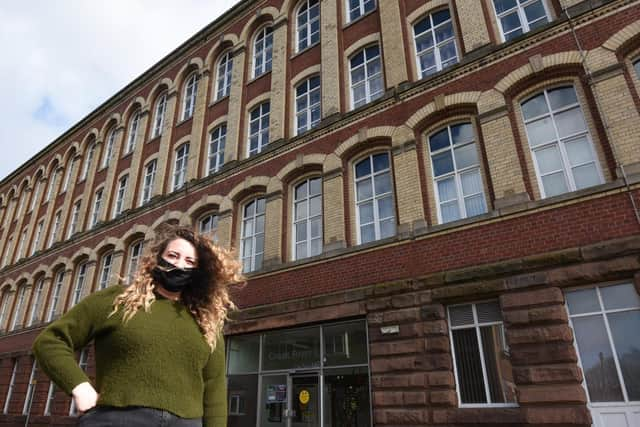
83, 252
109, 242
167, 217
72, 151
63, 262
164, 84
137, 104
223, 43
622, 37
55, 162
304, 161
249, 185
114, 120
195, 64
23, 278
207, 202
304, 74
424, 9
402, 135
417, 120
41, 270
262, 16
363, 136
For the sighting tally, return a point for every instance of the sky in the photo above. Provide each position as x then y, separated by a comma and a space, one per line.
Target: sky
62, 59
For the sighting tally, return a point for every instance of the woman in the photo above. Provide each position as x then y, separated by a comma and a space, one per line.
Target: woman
158, 343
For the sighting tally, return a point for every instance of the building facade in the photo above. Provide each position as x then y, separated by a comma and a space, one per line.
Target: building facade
436, 204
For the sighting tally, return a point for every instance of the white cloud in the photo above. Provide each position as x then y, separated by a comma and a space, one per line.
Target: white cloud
62, 59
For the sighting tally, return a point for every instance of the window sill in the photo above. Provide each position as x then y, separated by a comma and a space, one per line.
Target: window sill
359, 18
256, 78
219, 101
183, 121
303, 51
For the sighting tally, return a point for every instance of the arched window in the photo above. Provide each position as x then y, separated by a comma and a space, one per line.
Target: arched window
7, 252
105, 270
159, 113
262, 51
135, 253
36, 194
22, 244
17, 313
75, 219
559, 140
87, 161
97, 207
516, 17
189, 96
67, 176
180, 166
435, 42
217, 142
208, 225
55, 228
108, 148
149, 179
132, 137
366, 76
36, 304
308, 104
375, 210
224, 75
258, 128
455, 166
4, 306
252, 235
81, 278
38, 236
120, 195
636, 65
55, 295
307, 24
307, 218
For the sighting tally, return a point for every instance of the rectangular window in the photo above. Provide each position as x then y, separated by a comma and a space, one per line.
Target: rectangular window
252, 235
561, 147
55, 298
149, 178
108, 151
67, 176
52, 183
75, 216
358, 8
51, 394
120, 195
217, 142
105, 270
134, 258
36, 306
482, 364
80, 279
308, 104
308, 24
367, 83
23, 241
34, 196
54, 229
180, 167
133, 132
258, 128
190, 94
97, 204
208, 225
262, 51
158, 121
435, 42
307, 219
26, 408
17, 312
223, 82
38, 236
12, 384
516, 17
87, 161
4, 309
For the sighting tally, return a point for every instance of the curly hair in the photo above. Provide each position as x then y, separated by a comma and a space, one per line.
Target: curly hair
207, 298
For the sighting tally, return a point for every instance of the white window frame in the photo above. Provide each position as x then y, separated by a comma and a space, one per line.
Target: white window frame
374, 197
105, 270
524, 23
361, 9
97, 206
262, 51
368, 79
435, 48
34, 196
54, 230
37, 301
307, 7
51, 394
558, 141
456, 174
476, 326
261, 134
87, 161
21, 201
149, 178
252, 239
180, 166
52, 182
38, 236
23, 240
224, 76
109, 146
30, 388
75, 216
81, 277
18, 308
208, 225
4, 307
309, 108
55, 296
67, 176
159, 115
132, 136
135, 253
118, 206
12, 384
636, 67
189, 96
306, 220
217, 144
234, 404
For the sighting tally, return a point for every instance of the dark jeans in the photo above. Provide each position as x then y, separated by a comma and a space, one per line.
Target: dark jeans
135, 416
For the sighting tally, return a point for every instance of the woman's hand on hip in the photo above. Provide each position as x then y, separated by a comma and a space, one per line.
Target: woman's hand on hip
85, 396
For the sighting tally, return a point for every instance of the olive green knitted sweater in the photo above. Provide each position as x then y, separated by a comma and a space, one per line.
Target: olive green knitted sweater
159, 359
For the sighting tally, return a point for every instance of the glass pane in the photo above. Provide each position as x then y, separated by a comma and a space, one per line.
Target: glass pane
475, 205
382, 183
534, 11
562, 96
243, 398
570, 122
385, 208
541, 131
442, 163
299, 348
366, 212
554, 184
620, 296
243, 354
315, 206
462, 133
466, 156
316, 247
444, 32
428, 63
363, 168
448, 54
260, 203
380, 162
345, 344
421, 26
636, 65
316, 227
260, 224
496, 360
364, 189
305, 414
468, 366
301, 231
489, 312
471, 183
387, 228
510, 22
534, 107
549, 159
447, 190
450, 211
301, 191
248, 228
461, 315
579, 151
367, 233
357, 75
624, 331
301, 250
441, 16
301, 210
597, 359
273, 398
440, 140
582, 301
315, 186
586, 176
346, 397
504, 5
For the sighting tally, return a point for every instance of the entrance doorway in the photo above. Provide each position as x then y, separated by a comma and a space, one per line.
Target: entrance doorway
290, 400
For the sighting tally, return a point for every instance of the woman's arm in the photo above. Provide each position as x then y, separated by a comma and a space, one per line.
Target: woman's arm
215, 388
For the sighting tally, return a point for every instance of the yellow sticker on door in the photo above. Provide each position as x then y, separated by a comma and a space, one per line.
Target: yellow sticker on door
304, 397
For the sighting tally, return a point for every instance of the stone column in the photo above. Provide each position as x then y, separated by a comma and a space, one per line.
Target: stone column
273, 230
407, 187
333, 210
474, 31
395, 62
278, 81
329, 58
235, 106
225, 225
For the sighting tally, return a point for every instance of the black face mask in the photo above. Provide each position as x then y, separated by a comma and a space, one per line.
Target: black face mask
172, 278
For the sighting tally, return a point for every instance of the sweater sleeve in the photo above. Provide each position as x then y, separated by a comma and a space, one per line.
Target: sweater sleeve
54, 348
215, 388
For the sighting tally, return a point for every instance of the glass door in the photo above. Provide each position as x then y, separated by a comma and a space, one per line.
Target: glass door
305, 400
274, 401
605, 321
